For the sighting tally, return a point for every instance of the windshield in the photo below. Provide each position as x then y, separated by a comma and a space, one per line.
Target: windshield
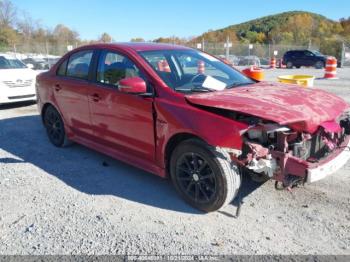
192, 71
10, 63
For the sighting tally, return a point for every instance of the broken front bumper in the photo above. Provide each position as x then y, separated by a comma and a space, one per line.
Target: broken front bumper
337, 159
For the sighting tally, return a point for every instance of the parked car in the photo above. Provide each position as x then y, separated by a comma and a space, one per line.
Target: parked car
203, 127
230, 60
40, 63
248, 60
300, 58
17, 81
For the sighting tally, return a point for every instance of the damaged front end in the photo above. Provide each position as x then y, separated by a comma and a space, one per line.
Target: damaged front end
271, 151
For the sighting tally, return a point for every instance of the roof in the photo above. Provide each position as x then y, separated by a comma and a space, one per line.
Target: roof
146, 46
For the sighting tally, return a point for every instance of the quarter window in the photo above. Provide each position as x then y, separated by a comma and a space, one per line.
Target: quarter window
62, 68
113, 67
79, 64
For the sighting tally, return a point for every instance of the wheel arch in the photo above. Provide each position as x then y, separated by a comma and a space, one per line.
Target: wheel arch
44, 108
172, 143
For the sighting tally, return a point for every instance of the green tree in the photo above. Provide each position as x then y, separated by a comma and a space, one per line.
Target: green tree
105, 38
7, 13
137, 39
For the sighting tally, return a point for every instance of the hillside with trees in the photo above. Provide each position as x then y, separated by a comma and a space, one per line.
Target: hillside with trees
289, 28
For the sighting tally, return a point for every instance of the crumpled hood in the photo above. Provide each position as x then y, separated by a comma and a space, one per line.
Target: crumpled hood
302, 109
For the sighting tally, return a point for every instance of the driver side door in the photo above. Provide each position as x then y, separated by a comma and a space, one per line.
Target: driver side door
121, 121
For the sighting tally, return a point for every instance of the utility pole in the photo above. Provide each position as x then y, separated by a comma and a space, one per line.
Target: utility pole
47, 53
227, 47
342, 55
15, 50
203, 44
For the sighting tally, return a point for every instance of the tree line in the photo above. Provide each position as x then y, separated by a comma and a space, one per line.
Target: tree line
18, 28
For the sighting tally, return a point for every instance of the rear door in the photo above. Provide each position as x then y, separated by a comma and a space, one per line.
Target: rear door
71, 87
309, 58
298, 58
121, 121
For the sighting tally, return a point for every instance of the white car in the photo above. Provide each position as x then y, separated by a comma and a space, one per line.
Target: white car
17, 81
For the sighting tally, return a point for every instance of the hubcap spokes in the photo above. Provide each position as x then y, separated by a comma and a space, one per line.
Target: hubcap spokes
54, 126
195, 177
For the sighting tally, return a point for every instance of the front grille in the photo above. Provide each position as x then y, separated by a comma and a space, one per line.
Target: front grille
20, 97
18, 83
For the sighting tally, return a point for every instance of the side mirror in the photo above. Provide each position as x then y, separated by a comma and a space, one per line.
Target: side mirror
133, 85
30, 66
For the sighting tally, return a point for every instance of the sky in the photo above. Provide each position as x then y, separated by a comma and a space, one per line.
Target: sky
150, 19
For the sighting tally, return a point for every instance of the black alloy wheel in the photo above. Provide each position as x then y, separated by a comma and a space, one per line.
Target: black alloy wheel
195, 177
54, 126
203, 175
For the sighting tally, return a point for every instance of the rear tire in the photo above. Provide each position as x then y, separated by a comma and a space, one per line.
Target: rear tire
203, 175
289, 65
55, 127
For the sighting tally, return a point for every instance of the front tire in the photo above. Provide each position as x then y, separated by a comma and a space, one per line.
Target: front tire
55, 127
203, 175
289, 65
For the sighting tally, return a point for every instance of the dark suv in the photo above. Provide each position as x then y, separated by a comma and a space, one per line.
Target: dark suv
300, 58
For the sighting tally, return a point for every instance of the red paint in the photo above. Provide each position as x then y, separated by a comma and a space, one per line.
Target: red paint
136, 129
133, 85
331, 126
303, 109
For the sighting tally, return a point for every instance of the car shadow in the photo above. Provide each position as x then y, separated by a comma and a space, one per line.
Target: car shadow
88, 171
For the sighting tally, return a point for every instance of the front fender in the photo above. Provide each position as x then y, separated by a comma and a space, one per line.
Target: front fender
175, 117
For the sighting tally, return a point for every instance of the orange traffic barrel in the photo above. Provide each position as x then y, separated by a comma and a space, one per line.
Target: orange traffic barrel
166, 67
200, 67
160, 66
331, 68
273, 63
254, 72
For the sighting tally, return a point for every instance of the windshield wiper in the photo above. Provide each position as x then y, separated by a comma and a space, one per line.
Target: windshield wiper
239, 84
195, 89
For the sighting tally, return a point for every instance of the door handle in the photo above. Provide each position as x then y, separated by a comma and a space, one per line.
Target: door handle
58, 87
95, 97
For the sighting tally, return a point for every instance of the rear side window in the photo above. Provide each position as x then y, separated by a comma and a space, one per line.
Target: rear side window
79, 64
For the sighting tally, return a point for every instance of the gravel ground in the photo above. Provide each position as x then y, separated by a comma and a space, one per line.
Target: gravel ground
77, 201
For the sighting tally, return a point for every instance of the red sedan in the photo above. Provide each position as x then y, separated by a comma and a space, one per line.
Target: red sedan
181, 113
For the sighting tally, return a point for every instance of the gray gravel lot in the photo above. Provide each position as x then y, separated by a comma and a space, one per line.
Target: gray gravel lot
65, 201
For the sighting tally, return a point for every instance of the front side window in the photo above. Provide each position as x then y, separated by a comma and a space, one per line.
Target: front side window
79, 64
113, 67
192, 70
11, 63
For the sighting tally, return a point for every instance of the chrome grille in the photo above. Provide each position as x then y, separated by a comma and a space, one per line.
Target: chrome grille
18, 83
